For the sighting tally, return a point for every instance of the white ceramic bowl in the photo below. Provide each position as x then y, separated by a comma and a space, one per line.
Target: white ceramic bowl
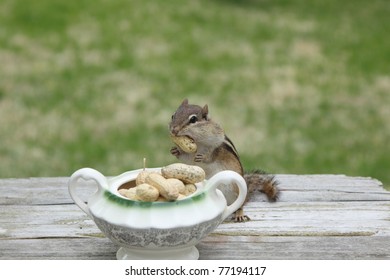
156, 230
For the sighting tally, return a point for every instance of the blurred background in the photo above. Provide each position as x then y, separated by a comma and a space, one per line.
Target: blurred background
300, 86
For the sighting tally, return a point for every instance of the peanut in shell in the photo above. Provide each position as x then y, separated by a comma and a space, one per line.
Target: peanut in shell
185, 143
162, 185
146, 192
187, 173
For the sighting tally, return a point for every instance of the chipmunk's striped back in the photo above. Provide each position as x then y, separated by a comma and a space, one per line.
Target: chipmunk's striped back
226, 157
230, 146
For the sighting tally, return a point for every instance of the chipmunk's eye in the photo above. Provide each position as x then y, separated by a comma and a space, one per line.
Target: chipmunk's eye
193, 119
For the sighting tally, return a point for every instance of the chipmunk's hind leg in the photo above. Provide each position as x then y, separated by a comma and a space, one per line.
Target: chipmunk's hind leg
240, 217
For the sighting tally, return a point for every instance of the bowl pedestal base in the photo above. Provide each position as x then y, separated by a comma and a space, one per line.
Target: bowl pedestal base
183, 253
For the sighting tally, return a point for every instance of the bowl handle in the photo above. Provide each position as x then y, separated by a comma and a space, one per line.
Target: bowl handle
85, 174
228, 177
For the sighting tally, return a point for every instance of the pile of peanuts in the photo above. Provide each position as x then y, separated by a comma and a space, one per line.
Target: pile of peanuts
175, 182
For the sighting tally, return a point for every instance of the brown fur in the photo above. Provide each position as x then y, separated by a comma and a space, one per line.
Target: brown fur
258, 180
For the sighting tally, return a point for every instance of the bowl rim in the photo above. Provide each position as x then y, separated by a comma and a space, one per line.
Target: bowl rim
113, 195
197, 196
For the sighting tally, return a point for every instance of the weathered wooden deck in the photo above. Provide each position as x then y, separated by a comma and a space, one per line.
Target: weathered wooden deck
317, 217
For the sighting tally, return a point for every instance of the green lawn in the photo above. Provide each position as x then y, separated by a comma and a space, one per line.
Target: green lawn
300, 86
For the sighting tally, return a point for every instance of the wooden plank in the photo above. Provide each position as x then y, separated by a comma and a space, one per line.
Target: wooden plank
40, 191
36, 191
331, 182
290, 248
212, 247
324, 195
58, 249
277, 219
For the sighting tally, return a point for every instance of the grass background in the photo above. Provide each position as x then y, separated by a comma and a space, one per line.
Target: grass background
299, 86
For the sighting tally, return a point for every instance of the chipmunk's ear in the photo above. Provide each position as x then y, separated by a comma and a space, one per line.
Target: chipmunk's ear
185, 102
205, 112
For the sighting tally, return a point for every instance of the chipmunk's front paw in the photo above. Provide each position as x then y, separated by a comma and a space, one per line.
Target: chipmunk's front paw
199, 158
175, 151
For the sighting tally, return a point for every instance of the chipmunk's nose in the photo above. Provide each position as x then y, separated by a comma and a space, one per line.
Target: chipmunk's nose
175, 130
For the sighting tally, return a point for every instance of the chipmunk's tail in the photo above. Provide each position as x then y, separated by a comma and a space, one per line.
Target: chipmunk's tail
261, 181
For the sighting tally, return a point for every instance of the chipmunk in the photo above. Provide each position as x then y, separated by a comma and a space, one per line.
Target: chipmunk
215, 153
